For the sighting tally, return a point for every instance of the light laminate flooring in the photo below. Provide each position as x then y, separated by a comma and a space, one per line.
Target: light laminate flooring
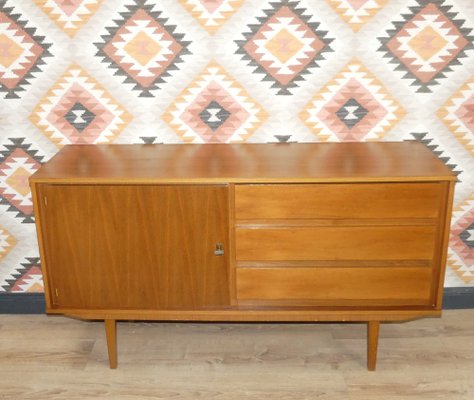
61, 358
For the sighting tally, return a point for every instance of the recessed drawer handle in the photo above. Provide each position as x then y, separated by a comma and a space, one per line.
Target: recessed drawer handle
219, 250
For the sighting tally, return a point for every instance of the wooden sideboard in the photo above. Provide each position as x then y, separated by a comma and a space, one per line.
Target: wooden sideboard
244, 232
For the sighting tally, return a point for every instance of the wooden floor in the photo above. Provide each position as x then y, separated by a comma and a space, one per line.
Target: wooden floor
59, 358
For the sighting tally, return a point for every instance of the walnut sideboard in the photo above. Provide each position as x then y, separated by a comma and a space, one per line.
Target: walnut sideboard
244, 232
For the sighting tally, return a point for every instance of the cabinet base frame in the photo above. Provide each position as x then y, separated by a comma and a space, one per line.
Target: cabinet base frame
372, 318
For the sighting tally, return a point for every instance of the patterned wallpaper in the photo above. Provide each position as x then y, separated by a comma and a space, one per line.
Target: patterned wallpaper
171, 71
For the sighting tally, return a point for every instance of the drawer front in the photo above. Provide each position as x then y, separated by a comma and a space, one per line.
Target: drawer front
358, 200
336, 286
336, 243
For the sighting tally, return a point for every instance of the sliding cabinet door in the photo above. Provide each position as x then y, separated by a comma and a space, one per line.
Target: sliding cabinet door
136, 246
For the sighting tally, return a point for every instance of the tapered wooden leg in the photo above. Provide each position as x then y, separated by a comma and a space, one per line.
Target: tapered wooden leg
372, 343
111, 334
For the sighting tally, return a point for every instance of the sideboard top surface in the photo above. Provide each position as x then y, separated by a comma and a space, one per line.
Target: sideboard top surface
243, 163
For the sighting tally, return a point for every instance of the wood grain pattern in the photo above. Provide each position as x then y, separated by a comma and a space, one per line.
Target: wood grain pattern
335, 201
38, 207
130, 246
443, 242
336, 243
52, 357
373, 328
310, 232
262, 313
336, 286
111, 337
227, 163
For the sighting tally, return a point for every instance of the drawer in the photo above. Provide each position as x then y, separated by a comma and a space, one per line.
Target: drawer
335, 286
336, 243
338, 200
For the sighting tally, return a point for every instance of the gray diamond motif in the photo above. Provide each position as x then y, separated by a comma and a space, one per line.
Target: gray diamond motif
79, 116
351, 113
214, 115
467, 236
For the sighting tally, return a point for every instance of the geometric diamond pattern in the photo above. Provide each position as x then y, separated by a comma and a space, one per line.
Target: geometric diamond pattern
214, 115
211, 14
284, 46
467, 236
351, 113
353, 106
79, 116
7, 242
214, 108
142, 47
21, 51
356, 12
220, 71
25, 279
427, 43
78, 110
17, 163
461, 250
458, 115
69, 15
433, 145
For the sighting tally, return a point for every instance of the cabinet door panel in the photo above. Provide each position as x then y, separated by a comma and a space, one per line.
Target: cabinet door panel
147, 247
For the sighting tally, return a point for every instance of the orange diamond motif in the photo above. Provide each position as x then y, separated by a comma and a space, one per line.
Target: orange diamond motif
7, 242
284, 45
69, 15
457, 113
9, 51
211, 14
18, 181
427, 43
356, 13
143, 48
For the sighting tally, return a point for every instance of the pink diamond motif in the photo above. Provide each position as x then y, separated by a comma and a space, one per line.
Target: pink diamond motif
215, 93
353, 106
140, 29
356, 13
214, 108
30, 282
21, 52
352, 90
211, 14
427, 42
25, 278
462, 237
211, 5
68, 6
461, 243
75, 96
284, 45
